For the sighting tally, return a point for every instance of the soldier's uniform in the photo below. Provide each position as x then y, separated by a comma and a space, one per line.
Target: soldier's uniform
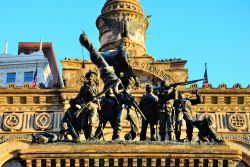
108, 113
206, 131
149, 107
86, 97
166, 108
183, 111
69, 118
127, 107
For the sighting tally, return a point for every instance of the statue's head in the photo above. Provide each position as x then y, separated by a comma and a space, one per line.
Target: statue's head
181, 95
149, 88
72, 102
91, 76
64, 126
208, 120
164, 83
43, 139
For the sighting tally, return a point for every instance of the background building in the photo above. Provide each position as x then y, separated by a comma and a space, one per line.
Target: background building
18, 70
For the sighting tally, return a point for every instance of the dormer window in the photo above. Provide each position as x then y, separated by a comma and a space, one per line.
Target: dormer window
11, 77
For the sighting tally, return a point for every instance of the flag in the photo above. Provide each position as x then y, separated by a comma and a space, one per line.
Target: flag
205, 79
33, 83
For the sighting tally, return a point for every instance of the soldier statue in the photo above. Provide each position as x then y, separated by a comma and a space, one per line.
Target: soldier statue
45, 138
206, 131
183, 111
108, 113
167, 96
69, 123
113, 79
127, 104
149, 107
87, 99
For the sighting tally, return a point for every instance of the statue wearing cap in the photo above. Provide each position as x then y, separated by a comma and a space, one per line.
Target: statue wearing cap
86, 97
183, 111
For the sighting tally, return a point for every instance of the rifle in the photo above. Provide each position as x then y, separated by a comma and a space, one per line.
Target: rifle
72, 129
184, 83
165, 88
84, 105
132, 101
108, 76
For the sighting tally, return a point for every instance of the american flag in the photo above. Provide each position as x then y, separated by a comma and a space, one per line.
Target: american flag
205, 79
33, 83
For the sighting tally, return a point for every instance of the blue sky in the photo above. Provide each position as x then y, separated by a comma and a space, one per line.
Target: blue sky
212, 31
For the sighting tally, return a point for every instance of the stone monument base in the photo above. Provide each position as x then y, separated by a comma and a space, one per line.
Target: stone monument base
120, 153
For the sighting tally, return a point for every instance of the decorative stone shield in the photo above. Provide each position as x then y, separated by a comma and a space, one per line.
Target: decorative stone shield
43, 121
12, 121
237, 121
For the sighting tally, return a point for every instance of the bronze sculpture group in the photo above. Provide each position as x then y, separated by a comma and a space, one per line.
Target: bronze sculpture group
164, 107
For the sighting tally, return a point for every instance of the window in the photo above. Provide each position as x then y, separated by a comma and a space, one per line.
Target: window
28, 76
240, 100
214, 100
227, 100
9, 100
36, 100
23, 100
49, 99
11, 77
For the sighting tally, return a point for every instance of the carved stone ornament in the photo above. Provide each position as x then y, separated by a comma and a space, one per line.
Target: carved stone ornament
43, 121
12, 121
237, 122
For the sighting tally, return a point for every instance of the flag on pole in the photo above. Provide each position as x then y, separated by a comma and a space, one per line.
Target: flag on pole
33, 83
205, 79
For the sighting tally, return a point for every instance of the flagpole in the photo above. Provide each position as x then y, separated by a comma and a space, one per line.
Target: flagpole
206, 71
41, 45
205, 78
6, 47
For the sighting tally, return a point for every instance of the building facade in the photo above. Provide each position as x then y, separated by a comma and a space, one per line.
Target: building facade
43, 109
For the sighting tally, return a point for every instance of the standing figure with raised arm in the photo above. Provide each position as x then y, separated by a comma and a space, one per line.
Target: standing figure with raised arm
183, 111
167, 96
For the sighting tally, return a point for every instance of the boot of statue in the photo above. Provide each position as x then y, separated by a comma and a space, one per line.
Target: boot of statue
170, 136
153, 134
90, 133
116, 135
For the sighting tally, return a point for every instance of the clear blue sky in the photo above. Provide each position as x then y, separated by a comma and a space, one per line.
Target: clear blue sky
212, 31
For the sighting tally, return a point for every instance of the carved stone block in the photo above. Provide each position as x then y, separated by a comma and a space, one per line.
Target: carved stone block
43, 121
237, 121
12, 121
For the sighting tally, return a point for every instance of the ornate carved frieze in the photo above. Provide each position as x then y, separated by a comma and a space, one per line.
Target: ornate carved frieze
152, 70
18, 108
12, 121
239, 137
10, 137
220, 108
